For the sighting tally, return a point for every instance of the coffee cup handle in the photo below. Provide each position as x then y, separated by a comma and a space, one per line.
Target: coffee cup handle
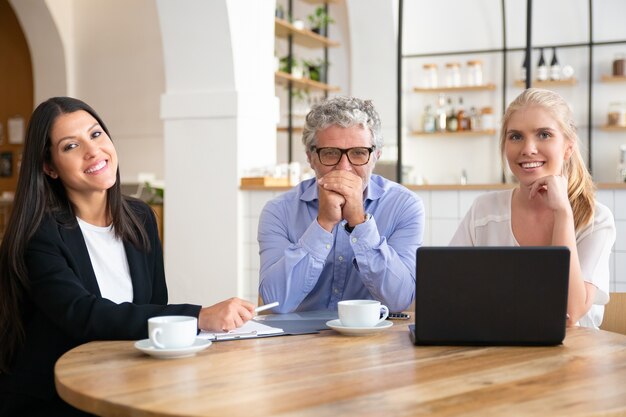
153, 338
385, 311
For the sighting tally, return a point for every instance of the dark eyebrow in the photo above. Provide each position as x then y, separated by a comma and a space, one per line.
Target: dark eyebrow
72, 137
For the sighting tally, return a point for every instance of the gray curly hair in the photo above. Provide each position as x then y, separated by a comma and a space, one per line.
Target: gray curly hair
345, 112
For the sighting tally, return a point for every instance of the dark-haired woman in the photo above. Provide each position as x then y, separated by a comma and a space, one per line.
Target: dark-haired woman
79, 261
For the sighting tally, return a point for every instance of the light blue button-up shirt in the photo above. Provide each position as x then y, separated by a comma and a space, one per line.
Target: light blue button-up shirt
305, 268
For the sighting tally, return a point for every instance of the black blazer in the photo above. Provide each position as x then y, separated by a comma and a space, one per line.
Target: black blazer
64, 307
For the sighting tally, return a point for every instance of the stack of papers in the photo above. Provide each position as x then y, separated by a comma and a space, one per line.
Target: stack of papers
249, 330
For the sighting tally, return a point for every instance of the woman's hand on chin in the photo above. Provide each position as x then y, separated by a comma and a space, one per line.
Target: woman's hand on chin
552, 190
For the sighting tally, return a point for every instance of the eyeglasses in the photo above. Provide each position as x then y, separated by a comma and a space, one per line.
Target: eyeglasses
356, 156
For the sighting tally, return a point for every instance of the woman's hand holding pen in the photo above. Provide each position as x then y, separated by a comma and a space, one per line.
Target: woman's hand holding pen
226, 315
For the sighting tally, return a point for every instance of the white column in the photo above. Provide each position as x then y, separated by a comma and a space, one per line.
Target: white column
220, 115
373, 52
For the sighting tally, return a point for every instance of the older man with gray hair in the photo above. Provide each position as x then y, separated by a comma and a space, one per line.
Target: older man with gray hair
346, 234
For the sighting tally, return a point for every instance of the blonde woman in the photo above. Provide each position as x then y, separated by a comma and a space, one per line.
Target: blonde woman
553, 205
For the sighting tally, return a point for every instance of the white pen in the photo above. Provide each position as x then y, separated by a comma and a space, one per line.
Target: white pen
266, 307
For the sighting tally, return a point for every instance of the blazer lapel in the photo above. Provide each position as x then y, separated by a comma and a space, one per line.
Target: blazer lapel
75, 242
138, 268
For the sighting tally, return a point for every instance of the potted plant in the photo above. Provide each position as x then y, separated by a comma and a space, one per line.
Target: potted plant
297, 66
319, 20
316, 69
154, 198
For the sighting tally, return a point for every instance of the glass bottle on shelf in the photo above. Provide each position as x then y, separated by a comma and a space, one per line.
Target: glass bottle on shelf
452, 122
463, 178
523, 69
441, 114
462, 117
474, 120
430, 76
542, 68
428, 120
621, 167
474, 73
618, 65
453, 74
555, 68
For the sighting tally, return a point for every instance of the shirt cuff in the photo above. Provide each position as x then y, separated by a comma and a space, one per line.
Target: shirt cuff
365, 235
317, 241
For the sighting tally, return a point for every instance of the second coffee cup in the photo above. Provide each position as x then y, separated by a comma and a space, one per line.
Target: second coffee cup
172, 332
361, 313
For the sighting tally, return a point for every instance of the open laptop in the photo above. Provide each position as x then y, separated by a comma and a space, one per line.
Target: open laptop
491, 295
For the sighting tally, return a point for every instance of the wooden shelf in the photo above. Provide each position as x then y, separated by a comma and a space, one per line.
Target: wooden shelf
265, 181
548, 83
613, 78
303, 37
485, 87
321, 1
283, 78
608, 128
469, 133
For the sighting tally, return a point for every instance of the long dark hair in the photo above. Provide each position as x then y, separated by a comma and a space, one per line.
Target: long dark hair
37, 195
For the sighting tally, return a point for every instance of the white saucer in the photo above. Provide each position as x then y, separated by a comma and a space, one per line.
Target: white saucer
147, 347
358, 331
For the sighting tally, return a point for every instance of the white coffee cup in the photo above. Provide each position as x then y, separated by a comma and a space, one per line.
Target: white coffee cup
361, 313
172, 332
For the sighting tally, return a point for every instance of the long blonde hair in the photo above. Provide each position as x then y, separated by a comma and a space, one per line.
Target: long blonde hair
580, 187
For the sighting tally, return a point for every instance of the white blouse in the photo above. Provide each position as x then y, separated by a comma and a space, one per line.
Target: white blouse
488, 223
109, 262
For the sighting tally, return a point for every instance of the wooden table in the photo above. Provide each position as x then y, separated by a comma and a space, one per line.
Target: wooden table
333, 375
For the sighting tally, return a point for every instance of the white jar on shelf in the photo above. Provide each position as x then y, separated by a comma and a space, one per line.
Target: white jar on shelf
453, 74
474, 73
487, 120
429, 78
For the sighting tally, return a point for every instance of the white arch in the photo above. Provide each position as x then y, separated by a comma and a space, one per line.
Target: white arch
46, 48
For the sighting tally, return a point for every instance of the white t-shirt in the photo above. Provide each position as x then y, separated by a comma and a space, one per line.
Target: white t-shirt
488, 223
109, 262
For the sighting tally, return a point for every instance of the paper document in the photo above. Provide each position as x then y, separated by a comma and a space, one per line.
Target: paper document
249, 330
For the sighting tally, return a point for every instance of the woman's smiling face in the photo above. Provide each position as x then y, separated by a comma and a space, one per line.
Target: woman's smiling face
82, 155
535, 145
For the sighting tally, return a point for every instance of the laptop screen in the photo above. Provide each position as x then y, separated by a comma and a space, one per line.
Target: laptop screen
491, 295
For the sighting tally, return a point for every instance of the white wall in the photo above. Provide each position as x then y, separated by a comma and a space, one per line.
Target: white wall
119, 71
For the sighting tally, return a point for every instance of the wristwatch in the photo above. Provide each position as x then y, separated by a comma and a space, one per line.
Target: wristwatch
349, 228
